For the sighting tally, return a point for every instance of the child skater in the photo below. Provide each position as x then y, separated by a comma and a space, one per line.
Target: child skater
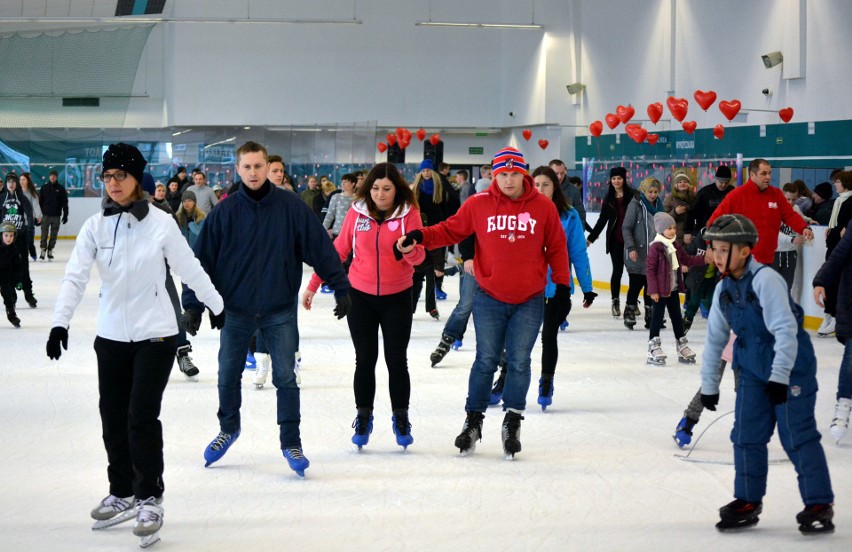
10, 269
665, 265
777, 385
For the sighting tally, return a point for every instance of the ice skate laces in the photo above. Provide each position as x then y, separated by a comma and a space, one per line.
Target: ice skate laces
220, 441
295, 453
147, 515
116, 504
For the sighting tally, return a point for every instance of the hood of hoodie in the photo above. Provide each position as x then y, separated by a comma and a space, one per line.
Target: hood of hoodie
360, 207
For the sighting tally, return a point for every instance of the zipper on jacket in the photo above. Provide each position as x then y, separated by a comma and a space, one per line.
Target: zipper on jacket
378, 263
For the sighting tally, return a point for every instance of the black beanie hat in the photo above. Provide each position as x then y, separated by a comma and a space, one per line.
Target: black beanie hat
824, 190
125, 157
618, 171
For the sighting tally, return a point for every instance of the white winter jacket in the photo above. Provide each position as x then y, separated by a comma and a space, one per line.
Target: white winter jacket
131, 250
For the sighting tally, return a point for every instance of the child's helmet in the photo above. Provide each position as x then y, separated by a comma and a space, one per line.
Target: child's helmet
732, 229
8, 227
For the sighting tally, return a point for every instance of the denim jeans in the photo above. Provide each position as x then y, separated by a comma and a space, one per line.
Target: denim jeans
844, 382
281, 337
500, 324
457, 322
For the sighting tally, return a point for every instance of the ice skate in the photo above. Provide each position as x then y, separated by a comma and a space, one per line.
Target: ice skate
655, 352
296, 460
251, 362
264, 361
113, 510
185, 364
616, 308
564, 325
827, 328
471, 433
687, 324
457, 344
440, 295
630, 317
683, 432
13, 317
684, 353
149, 521
363, 426
402, 428
649, 313
43, 253
30, 299
441, 350
739, 514
545, 392
511, 433
816, 519
326, 289
435, 314
840, 423
219, 446
497, 390
50, 254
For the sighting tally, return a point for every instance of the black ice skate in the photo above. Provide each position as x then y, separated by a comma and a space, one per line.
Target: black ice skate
13, 317
739, 514
630, 317
471, 433
511, 434
441, 351
616, 308
189, 369
30, 299
435, 314
50, 254
816, 519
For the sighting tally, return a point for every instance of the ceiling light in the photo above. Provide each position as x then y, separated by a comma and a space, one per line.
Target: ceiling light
477, 25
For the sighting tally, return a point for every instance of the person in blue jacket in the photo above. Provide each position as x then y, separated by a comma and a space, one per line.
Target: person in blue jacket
259, 278
777, 385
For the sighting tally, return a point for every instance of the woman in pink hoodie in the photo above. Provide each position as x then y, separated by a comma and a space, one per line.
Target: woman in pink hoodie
383, 210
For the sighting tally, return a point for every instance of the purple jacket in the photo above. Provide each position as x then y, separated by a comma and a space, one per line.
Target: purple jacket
658, 269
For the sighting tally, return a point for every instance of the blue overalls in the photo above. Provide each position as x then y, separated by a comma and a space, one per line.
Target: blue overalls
756, 416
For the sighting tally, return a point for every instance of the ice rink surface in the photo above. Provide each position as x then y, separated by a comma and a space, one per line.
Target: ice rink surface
598, 470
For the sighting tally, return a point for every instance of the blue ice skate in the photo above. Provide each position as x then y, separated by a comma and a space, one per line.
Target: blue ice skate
219, 446
564, 325
683, 433
705, 312
296, 459
251, 362
362, 430
326, 289
440, 295
545, 392
457, 344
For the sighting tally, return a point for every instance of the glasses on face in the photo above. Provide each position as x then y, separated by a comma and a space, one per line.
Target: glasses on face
119, 176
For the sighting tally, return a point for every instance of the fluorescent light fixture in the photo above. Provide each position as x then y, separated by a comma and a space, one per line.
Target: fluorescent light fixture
477, 25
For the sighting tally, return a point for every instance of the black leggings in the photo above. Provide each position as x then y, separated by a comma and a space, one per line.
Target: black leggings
637, 284
549, 331
616, 255
417, 287
393, 314
672, 303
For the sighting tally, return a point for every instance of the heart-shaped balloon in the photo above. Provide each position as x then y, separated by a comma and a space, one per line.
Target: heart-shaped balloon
730, 108
404, 143
382, 147
612, 120
639, 135
406, 134
652, 139
527, 134
625, 113
704, 99
543, 143
596, 128
421, 134
678, 107
435, 138
689, 126
631, 128
400, 132
786, 114
391, 138
719, 131
655, 111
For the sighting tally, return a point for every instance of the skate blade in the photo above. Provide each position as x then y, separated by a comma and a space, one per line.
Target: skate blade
510, 457
149, 540
300, 473
655, 362
686, 360
258, 386
724, 528
820, 529
127, 515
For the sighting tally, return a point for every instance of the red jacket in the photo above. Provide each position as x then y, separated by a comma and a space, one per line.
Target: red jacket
658, 268
516, 240
374, 268
766, 209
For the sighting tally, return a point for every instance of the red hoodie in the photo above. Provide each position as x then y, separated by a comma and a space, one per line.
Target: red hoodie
516, 240
374, 268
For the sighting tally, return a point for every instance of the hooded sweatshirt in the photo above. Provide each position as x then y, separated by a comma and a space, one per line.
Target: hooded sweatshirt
516, 240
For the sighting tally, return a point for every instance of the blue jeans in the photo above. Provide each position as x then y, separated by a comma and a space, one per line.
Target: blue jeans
500, 324
457, 322
844, 382
281, 337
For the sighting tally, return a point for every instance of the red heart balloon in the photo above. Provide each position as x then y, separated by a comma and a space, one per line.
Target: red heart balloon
527, 134
652, 139
391, 138
625, 113
689, 126
631, 128
543, 143
382, 147
421, 134
406, 134
400, 132
639, 135
612, 120
786, 114
596, 128
435, 138
704, 99
655, 111
730, 108
678, 107
404, 143
719, 131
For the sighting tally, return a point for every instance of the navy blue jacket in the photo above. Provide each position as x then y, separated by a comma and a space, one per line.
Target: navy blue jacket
254, 250
837, 272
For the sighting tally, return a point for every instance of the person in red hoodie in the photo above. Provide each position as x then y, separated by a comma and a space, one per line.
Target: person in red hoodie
383, 210
518, 235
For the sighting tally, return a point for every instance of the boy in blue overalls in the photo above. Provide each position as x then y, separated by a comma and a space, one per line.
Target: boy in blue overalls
777, 383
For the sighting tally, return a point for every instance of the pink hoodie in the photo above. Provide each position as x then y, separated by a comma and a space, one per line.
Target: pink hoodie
374, 268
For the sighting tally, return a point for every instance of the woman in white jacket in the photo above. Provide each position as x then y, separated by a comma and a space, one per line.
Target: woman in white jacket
136, 332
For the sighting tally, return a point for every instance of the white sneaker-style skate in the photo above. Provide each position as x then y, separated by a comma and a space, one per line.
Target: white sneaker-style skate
113, 510
149, 521
264, 362
684, 353
840, 423
656, 356
826, 329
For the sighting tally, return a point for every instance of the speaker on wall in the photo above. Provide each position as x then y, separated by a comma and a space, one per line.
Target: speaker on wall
435, 153
396, 154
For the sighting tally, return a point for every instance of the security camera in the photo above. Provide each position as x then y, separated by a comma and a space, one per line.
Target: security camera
511, 114
766, 91
772, 59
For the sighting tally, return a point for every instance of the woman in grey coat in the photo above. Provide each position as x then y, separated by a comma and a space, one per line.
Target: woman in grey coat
638, 231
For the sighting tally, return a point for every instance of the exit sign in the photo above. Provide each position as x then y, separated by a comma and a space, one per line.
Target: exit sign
476, 151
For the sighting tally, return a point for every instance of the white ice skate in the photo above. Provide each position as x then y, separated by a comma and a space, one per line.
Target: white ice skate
827, 328
655, 352
264, 361
684, 353
113, 510
840, 423
149, 521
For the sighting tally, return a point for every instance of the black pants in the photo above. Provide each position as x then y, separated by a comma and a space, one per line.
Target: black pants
637, 284
785, 264
549, 331
417, 287
22, 243
672, 303
7, 290
131, 381
616, 255
49, 227
393, 314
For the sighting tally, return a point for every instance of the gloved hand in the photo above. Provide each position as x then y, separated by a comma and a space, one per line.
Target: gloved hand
191, 321
563, 301
777, 392
588, 298
217, 321
710, 401
58, 335
415, 236
397, 254
343, 306
65, 219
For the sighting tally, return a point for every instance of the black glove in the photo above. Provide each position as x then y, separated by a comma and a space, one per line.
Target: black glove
589, 298
19, 286
65, 219
58, 335
191, 321
710, 401
217, 321
343, 306
397, 254
415, 236
563, 301
777, 392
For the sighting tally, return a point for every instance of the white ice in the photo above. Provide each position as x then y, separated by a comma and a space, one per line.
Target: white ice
598, 470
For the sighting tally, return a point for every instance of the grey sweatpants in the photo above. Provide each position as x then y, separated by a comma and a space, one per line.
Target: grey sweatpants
695, 408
